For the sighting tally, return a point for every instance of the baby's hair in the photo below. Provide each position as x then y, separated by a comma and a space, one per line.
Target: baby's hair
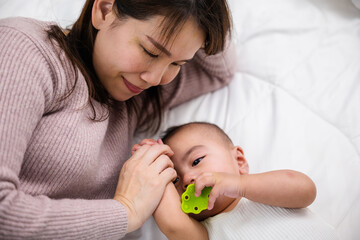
216, 129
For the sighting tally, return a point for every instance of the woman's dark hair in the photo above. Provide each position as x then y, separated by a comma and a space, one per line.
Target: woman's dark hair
212, 16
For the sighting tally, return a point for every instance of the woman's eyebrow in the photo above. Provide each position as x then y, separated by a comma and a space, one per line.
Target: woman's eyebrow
159, 46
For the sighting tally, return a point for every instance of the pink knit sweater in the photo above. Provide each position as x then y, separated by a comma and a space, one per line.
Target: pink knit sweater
58, 169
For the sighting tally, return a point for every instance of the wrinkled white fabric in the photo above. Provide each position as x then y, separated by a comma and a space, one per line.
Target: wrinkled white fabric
255, 221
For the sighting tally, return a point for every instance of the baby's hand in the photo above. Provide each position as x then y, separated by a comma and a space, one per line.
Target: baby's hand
143, 142
225, 184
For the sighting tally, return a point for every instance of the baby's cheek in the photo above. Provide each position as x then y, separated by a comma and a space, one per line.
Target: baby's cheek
179, 189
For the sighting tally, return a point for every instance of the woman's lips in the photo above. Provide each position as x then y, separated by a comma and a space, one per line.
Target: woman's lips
132, 88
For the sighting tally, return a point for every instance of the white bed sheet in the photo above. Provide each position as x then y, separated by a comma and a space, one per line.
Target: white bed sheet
294, 101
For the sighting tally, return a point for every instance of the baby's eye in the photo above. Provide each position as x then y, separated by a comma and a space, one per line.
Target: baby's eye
197, 161
176, 180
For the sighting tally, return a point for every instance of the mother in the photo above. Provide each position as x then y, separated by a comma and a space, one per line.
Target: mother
71, 101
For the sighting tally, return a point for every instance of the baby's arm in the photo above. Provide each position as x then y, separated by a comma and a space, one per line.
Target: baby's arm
282, 188
173, 222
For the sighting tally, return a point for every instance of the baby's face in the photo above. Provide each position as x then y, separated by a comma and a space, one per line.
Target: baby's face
197, 151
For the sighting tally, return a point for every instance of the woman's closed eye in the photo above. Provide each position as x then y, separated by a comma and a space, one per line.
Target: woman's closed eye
179, 64
176, 64
197, 161
149, 53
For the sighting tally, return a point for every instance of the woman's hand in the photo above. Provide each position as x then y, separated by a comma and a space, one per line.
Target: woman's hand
142, 182
146, 141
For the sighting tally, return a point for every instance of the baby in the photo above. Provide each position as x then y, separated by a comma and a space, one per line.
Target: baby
269, 205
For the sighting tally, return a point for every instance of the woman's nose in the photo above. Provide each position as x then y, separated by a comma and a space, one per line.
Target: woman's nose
159, 74
154, 76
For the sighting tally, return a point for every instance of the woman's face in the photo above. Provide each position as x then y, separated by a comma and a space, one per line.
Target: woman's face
129, 55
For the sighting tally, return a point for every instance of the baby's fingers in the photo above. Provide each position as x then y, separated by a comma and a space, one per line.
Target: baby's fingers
214, 194
208, 180
135, 148
204, 180
147, 141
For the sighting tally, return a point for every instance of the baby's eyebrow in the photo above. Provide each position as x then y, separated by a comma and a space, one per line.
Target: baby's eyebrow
192, 149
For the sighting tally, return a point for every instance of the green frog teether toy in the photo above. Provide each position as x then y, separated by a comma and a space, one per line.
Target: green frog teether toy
192, 204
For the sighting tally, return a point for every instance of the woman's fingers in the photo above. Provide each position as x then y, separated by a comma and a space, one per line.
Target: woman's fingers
161, 163
154, 151
148, 153
168, 174
143, 179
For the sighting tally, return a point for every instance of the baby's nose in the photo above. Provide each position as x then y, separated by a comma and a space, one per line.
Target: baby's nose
187, 182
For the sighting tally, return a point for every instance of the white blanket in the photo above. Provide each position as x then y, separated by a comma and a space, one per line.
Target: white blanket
255, 221
294, 102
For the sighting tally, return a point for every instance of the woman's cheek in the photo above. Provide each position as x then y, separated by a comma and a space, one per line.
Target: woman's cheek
135, 63
173, 71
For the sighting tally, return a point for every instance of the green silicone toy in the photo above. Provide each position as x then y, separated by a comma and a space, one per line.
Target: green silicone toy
192, 204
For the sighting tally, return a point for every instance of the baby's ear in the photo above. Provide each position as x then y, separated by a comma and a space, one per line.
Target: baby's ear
241, 160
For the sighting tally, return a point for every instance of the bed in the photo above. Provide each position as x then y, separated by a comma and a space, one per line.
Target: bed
294, 101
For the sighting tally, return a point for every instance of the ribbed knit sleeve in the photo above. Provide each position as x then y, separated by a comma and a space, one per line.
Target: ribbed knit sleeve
27, 94
201, 75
